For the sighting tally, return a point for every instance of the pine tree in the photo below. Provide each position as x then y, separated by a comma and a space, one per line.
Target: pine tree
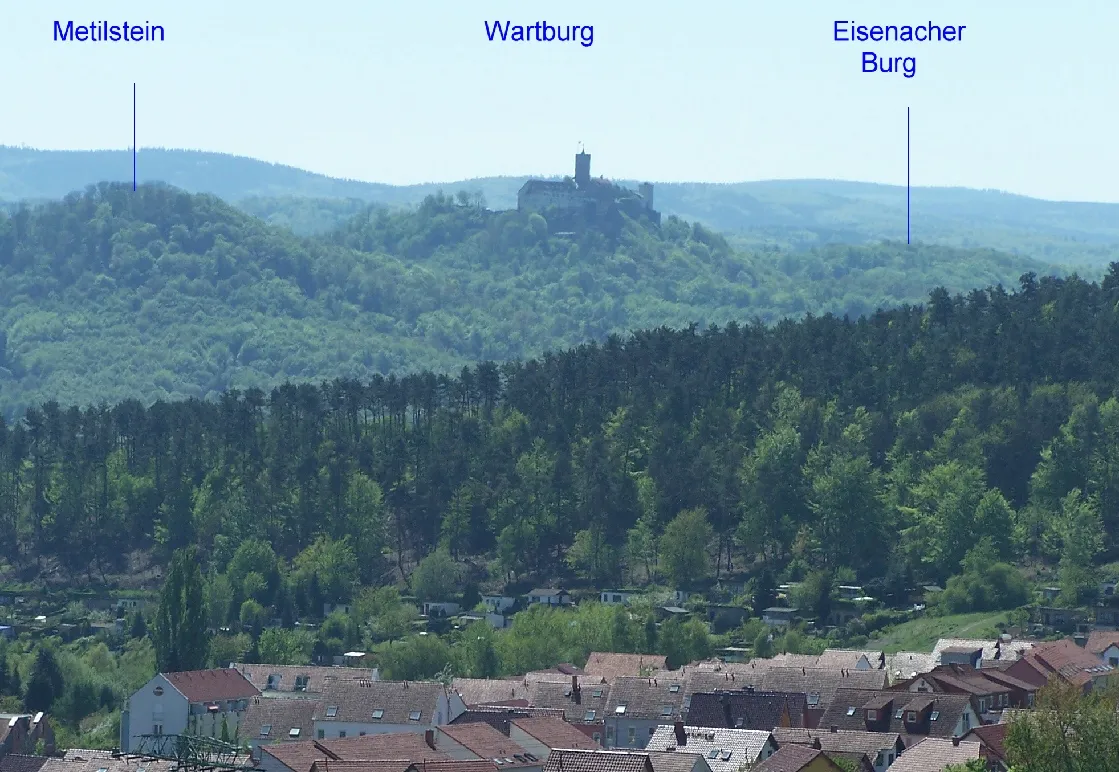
179, 633
45, 684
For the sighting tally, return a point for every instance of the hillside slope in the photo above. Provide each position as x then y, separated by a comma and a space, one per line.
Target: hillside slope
160, 293
793, 213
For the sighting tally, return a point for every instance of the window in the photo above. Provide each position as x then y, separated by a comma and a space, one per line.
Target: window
378, 714
331, 711
293, 732
872, 715
674, 688
414, 715
652, 729
530, 757
935, 715
878, 759
617, 598
620, 710
265, 730
609, 734
1113, 661
597, 693
813, 699
342, 733
157, 729
983, 705
911, 717
1003, 700
725, 755
666, 710
322, 734
889, 759
632, 736
597, 737
273, 681
588, 716
713, 753
850, 710
897, 714
301, 683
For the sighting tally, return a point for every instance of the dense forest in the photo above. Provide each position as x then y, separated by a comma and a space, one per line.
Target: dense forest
160, 294
795, 214
917, 444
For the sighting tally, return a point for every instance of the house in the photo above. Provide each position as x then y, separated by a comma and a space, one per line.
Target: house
491, 691
1064, 660
570, 760
725, 617
330, 608
91, 761
441, 609
1060, 618
837, 659
876, 750
725, 750
129, 605
992, 744
993, 689
933, 754
913, 716
198, 702
609, 665
302, 756
1106, 616
1107, 588
748, 709
350, 708
541, 734
498, 603
798, 758
971, 656
618, 596
268, 721
1050, 594
300, 679
907, 664
21, 733
498, 621
819, 685
1105, 645
850, 592
637, 706
479, 740
584, 703
779, 616
549, 597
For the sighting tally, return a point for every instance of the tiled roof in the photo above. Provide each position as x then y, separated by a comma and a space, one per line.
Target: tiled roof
127, 763
991, 737
485, 742
17, 762
212, 685
299, 756
554, 733
556, 675
832, 658
841, 741
1069, 661
491, 691
284, 677
577, 705
847, 712
455, 765
933, 755
564, 760
499, 716
725, 750
793, 758
990, 647
85, 754
965, 679
819, 681
1100, 641
273, 720
906, 664
650, 699
746, 709
358, 702
677, 762
380, 765
609, 665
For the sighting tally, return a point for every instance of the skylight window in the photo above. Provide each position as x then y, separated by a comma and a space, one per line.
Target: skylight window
850, 710
898, 712
530, 757
935, 715
331, 711
589, 716
293, 732
726, 755
666, 710
597, 693
414, 715
265, 730
378, 714
713, 753
620, 709
674, 688
813, 699
499, 762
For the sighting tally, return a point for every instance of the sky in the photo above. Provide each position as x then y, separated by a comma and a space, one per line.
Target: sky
706, 91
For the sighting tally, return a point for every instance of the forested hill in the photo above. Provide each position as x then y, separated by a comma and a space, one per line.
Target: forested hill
892, 449
162, 294
792, 213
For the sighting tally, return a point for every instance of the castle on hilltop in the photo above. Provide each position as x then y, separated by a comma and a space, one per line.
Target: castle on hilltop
592, 200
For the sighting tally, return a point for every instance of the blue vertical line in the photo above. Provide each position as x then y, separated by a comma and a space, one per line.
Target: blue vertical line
908, 215
133, 136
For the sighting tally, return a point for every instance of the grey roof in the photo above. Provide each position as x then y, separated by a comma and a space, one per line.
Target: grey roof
947, 707
286, 676
843, 741
651, 699
575, 704
746, 709
357, 702
725, 750
490, 691
564, 760
279, 717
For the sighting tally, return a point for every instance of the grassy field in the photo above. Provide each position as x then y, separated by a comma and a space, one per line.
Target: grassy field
921, 634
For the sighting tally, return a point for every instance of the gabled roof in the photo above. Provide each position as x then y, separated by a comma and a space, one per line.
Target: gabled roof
499, 716
794, 758
725, 750
1100, 641
836, 659
273, 720
992, 739
567, 760
906, 664
1068, 661
491, 691
285, 676
746, 709
16, 762
934, 754
124, 763
485, 742
212, 685
300, 756
380, 765
381, 702
555, 733
841, 741
847, 711
609, 665
577, 705
649, 699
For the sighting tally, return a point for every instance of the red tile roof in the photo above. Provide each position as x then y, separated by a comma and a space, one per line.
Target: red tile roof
610, 665
212, 685
1069, 661
793, 758
300, 756
484, 741
555, 733
992, 739
1100, 640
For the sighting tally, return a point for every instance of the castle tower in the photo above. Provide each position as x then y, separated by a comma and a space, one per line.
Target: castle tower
582, 168
645, 190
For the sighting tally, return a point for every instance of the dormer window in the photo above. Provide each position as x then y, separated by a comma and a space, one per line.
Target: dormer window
871, 715
911, 717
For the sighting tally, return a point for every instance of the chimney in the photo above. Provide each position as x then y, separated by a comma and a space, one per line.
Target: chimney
956, 742
816, 743
576, 692
429, 738
681, 735
726, 710
834, 728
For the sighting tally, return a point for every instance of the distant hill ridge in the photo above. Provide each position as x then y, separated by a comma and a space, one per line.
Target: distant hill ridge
790, 213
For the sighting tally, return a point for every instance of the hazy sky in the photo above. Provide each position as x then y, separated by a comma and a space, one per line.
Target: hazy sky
703, 90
